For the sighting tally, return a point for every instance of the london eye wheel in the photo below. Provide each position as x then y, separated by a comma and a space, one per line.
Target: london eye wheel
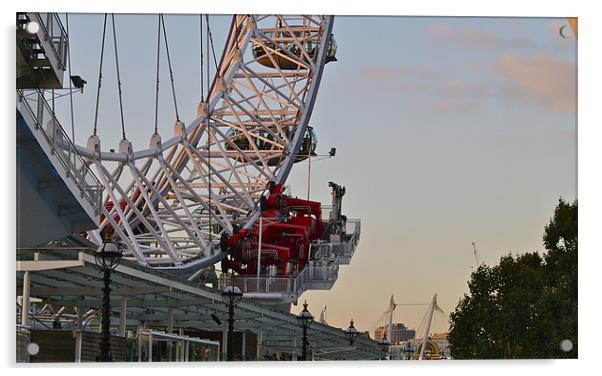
169, 205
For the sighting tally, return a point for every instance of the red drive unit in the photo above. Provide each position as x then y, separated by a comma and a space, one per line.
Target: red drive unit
288, 226
122, 205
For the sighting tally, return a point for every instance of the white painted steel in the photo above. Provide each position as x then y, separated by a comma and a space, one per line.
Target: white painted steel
170, 218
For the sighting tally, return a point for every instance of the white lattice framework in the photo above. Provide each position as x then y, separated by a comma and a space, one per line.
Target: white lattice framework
178, 196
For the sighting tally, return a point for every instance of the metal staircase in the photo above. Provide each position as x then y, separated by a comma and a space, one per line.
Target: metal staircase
42, 46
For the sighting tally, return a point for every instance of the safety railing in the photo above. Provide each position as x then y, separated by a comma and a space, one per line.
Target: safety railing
179, 348
341, 250
53, 28
36, 111
351, 239
314, 273
320, 272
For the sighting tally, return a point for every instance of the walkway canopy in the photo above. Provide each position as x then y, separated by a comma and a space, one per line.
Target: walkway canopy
64, 274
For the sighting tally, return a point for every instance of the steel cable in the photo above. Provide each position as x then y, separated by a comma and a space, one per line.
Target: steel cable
157, 79
102, 50
118, 76
173, 87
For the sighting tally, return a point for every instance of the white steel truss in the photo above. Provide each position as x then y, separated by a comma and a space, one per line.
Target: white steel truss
170, 204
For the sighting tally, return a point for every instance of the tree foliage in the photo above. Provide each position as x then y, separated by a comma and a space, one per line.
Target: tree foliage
524, 306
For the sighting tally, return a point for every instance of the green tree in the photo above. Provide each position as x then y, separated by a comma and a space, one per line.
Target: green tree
524, 306
560, 296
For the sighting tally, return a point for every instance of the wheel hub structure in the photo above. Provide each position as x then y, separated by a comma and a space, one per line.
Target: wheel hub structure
169, 204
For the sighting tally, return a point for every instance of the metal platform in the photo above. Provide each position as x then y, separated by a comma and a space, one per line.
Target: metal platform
320, 273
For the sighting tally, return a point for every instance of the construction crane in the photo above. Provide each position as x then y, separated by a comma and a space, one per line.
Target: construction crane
476, 255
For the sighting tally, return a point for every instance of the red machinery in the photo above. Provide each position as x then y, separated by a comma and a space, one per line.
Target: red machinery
288, 226
109, 205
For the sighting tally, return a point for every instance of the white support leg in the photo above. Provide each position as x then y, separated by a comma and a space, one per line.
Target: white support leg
78, 335
150, 347
181, 347
170, 319
139, 344
25, 302
123, 316
244, 342
259, 344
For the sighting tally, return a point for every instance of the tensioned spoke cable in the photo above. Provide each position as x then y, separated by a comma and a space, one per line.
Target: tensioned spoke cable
70, 82
102, 50
157, 81
212, 48
173, 86
208, 134
202, 83
118, 77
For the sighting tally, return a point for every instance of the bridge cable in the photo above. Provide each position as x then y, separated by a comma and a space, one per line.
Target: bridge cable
102, 50
173, 87
157, 80
118, 77
70, 82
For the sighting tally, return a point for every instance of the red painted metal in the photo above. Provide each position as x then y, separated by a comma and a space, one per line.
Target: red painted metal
289, 226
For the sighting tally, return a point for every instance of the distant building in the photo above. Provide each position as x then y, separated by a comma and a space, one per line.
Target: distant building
399, 333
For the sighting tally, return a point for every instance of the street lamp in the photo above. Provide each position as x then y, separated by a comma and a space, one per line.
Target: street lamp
384, 346
351, 332
231, 297
107, 257
305, 320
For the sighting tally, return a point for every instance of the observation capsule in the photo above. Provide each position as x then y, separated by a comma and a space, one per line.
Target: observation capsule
307, 147
290, 49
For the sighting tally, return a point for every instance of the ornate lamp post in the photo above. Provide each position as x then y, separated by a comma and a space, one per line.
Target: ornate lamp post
351, 332
231, 297
305, 319
107, 257
384, 346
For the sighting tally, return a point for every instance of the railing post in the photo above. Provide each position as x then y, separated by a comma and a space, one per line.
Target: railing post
40, 110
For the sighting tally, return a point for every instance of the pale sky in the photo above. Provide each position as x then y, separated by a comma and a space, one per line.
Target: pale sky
448, 131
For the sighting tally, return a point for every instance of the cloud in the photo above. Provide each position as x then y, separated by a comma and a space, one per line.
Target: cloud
456, 87
469, 37
397, 73
428, 86
542, 79
384, 73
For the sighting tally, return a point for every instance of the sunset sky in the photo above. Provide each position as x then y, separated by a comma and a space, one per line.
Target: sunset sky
448, 131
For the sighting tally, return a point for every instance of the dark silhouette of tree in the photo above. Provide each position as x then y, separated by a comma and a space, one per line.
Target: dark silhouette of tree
524, 306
